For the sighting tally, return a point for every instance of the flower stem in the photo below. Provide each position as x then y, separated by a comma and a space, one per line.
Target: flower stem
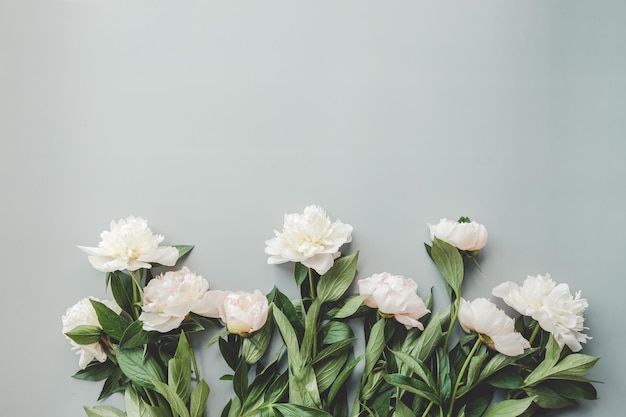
535, 332
137, 294
430, 405
462, 374
455, 314
312, 292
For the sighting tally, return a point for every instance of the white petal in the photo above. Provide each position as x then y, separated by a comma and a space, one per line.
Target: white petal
512, 344
321, 263
210, 304
163, 255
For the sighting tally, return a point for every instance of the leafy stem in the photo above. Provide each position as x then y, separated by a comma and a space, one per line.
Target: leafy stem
455, 314
137, 294
462, 374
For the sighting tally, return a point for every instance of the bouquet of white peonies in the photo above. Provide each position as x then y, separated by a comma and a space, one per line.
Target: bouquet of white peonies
411, 364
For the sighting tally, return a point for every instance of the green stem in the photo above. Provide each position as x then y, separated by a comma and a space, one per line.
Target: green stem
462, 374
430, 405
535, 333
455, 314
150, 399
312, 292
137, 294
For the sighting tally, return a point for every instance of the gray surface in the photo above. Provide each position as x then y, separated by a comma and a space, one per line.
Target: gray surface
212, 119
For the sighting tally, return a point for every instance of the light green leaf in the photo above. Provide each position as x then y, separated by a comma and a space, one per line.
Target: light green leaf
326, 371
138, 369
375, 346
334, 350
402, 410
183, 249
199, 398
176, 403
450, 264
303, 387
413, 385
85, 334
293, 410
310, 329
416, 366
508, 408
254, 346
179, 369
334, 283
342, 378
131, 401
350, 306
289, 337
103, 411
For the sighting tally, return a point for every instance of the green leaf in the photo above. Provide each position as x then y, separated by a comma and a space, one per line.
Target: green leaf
416, 366
474, 369
545, 397
574, 389
179, 369
334, 332
122, 289
240, 381
349, 307
402, 410
444, 381
229, 352
277, 389
103, 411
310, 329
334, 350
135, 336
176, 403
508, 378
116, 382
289, 337
334, 283
300, 273
199, 398
96, 371
183, 249
254, 346
293, 410
140, 370
413, 385
112, 323
508, 408
450, 264
303, 387
342, 378
574, 365
326, 371
85, 334
375, 346
132, 401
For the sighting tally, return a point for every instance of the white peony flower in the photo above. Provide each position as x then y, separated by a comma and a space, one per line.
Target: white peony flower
394, 295
170, 297
244, 313
553, 306
83, 314
493, 326
529, 297
465, 236
130, 245
310, 239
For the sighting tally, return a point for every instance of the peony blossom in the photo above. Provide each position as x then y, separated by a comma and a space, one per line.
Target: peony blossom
83, 314
493, 326
130, 245
310, 239
170, 297
553, 306
528, 298
394, 295
244, 313
470, 236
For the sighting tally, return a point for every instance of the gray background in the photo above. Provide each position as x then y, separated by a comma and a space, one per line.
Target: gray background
212, 119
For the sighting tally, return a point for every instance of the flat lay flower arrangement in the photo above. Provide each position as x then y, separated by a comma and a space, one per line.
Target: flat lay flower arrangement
299, 358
